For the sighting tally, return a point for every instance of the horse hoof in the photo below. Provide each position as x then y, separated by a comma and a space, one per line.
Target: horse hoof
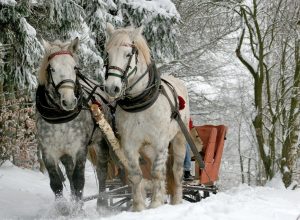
102, 207
176, 201
137, 208
62, 206
155, 204
77, 210
102, 202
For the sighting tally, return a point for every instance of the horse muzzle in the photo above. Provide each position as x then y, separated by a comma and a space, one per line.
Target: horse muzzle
68, 105
113, 91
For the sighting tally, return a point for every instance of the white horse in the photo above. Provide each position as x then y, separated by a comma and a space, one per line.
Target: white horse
143, 114
64, 127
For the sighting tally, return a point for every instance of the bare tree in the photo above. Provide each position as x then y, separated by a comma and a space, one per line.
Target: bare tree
270, 30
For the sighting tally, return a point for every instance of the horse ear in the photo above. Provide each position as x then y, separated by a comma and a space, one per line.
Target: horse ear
73, 47
109, 29
138, 31
46, 44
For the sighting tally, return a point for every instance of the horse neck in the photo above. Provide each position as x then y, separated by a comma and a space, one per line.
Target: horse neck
142, 84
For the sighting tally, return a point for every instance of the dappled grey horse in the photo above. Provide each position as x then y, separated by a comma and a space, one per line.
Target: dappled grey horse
64, 127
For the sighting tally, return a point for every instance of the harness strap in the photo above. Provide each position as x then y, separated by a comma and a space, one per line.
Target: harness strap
59, 53
139, 79
176, 115
132, 71
92, 88
94, 129
115, 74
125, 73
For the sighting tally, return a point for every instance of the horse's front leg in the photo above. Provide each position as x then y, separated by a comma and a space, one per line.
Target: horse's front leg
55, 179
78, 174
159, 176
67, 161
56, 184
135, 177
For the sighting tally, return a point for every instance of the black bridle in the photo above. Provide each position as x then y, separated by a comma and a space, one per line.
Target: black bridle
125, 74
46, 105
61, 84
75, 85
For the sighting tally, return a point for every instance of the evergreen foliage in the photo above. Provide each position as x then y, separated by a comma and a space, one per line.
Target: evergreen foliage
24, 23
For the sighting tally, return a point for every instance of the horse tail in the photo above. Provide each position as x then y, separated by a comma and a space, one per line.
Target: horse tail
170, 175
92, 155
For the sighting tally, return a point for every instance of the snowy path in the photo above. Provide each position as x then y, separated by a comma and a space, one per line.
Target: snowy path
25, 194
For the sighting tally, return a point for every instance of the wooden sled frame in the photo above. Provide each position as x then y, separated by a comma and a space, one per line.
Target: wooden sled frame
213, 138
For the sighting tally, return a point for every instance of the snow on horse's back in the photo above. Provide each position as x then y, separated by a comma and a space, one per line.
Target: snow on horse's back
143, 114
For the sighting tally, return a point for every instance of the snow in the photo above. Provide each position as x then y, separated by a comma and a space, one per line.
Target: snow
8, 2
198, 85
163, 7
28, 29
25, 194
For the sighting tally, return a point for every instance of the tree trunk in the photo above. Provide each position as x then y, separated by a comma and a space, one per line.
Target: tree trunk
240, 155
290, 146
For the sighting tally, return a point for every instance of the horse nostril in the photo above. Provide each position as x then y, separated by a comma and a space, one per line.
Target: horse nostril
117, 89
64, 103
75, 101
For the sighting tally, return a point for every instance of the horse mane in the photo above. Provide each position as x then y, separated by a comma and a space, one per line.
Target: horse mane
119, 35
55, 46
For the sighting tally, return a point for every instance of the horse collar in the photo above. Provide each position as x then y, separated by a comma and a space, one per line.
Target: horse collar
51, 112
148, 97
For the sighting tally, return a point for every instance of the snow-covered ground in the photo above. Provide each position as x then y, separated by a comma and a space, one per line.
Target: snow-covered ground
25, 194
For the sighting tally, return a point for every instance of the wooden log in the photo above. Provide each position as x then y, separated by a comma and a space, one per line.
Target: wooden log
109, 134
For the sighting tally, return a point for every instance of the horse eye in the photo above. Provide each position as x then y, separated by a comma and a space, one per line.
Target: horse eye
128, 55
51, 69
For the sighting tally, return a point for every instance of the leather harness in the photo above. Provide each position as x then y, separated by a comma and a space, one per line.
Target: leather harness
51, 112
147, 98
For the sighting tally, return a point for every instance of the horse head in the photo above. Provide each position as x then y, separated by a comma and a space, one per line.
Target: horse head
127, 57
58, 73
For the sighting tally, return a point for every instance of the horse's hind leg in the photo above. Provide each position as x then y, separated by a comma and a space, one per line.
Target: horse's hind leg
178, 144
159, 176
102, 162
67, 161
78, 174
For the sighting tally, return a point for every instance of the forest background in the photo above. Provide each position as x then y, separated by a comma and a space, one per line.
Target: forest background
239, 59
